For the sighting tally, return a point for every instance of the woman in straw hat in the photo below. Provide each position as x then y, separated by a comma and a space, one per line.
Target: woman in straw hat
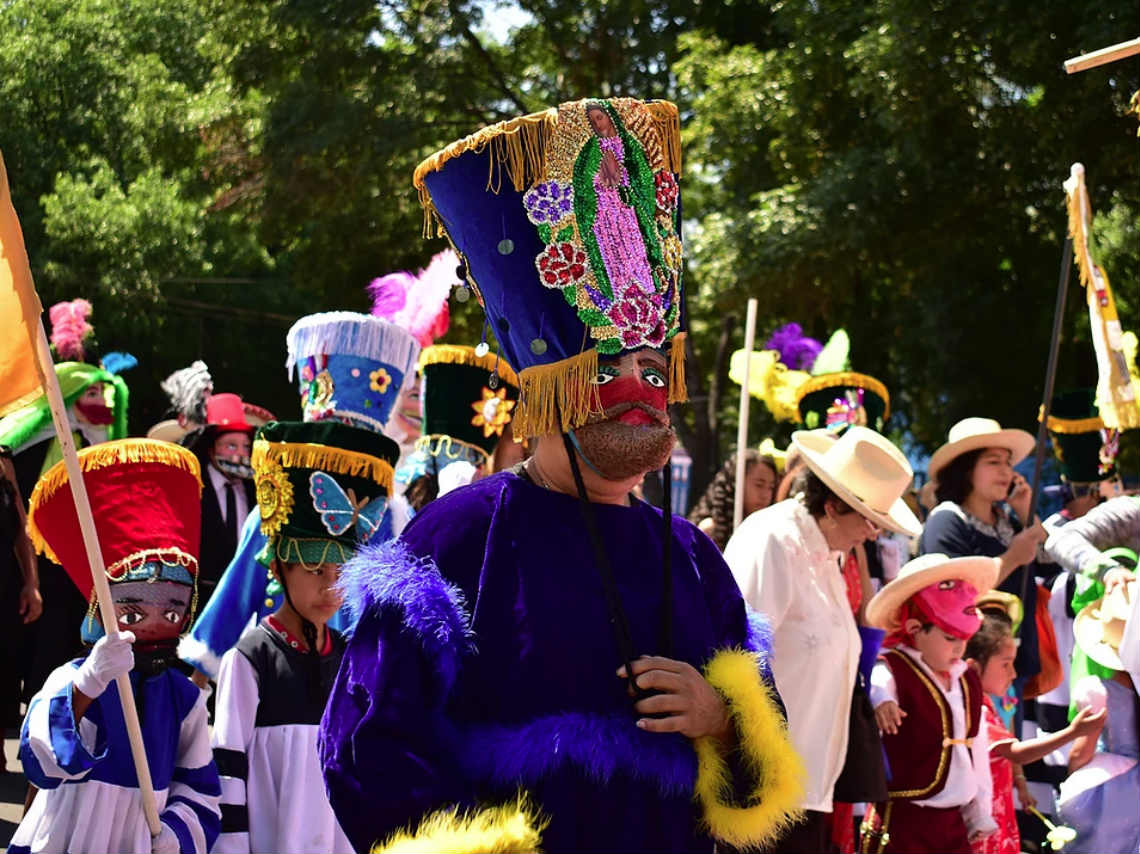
1099, 798
786, 559
974, 482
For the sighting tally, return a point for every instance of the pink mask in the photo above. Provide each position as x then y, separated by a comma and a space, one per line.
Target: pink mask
950, 605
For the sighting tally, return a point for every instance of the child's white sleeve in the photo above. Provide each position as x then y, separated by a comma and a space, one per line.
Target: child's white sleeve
235, 712
53, 748
883, 687
192, 809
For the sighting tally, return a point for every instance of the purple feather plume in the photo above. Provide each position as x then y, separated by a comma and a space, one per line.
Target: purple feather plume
796, 350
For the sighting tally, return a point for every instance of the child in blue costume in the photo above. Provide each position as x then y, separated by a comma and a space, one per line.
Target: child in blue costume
74, 745
351, 368
543, 661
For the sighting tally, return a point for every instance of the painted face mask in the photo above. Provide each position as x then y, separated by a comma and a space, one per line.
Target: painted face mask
231, 455
951, 605
153, 610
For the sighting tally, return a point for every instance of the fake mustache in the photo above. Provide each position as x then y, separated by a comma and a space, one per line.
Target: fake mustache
619, 409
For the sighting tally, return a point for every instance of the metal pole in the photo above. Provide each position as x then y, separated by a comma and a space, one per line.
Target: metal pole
1050, 377
742, 427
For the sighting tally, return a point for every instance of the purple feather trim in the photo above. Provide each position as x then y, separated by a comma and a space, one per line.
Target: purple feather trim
602, 746
388, 575
796, 350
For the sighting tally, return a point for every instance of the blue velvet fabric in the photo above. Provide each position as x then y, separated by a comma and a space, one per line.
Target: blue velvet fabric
482, 663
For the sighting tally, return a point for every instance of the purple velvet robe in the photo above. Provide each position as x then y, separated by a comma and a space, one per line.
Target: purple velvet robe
483, 663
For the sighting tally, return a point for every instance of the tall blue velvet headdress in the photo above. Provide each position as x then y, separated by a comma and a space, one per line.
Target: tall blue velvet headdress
350, 367
568, 223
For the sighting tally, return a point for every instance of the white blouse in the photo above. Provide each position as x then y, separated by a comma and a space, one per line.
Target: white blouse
787, 572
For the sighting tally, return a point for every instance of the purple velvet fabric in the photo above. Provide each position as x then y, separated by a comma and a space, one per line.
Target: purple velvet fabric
491, 668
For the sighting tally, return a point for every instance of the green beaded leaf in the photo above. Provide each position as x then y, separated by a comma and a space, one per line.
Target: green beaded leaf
544, 232
571, 294
609, 346
565, 234
593, 317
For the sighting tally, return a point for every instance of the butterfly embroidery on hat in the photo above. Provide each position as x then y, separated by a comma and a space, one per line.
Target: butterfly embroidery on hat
607, 212
340, 510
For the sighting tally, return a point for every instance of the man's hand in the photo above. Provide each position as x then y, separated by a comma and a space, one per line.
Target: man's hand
1116, 577
889, 717
692, 705
31, 603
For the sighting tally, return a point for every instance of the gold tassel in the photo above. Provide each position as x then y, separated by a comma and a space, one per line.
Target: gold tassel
557, 397
1077, 232
453, 354
518, 145
678, 391
667, 120
1071, 426
312, 456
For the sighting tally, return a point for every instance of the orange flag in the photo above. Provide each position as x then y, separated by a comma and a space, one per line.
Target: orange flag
19, 311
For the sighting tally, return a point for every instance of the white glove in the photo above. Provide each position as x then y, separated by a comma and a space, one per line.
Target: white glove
166, 842
111, 656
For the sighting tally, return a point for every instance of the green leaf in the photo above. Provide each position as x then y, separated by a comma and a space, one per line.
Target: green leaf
593, 317
544, 232
565, 234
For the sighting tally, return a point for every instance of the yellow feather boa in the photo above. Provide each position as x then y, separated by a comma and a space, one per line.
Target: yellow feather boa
773, 803
514, 828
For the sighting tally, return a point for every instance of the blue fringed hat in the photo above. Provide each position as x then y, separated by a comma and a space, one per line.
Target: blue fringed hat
568, 224
350, 367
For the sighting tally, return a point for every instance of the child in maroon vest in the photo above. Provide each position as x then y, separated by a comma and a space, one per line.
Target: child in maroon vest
928, 703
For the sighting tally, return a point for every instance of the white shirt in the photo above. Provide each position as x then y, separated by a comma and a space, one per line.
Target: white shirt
787, 572
218, 482
968, 781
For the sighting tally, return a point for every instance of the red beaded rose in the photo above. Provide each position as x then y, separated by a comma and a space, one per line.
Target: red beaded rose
667, 191
561, 264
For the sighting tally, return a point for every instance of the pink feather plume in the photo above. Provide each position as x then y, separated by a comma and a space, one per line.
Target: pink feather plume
69, 328
417, 303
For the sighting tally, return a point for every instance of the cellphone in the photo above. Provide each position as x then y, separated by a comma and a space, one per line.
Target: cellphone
1012, 487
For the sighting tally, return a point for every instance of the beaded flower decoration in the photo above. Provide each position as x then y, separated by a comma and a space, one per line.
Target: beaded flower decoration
493, 412
274, 497
607, 212
846, 411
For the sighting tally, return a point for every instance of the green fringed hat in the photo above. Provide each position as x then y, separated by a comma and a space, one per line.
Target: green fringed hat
842, 399
322, 489
468, 400
567, 226
1085, 454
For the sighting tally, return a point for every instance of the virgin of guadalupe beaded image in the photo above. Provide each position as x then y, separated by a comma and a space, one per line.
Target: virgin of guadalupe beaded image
607, 212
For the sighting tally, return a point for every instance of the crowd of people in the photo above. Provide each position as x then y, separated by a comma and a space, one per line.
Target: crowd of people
431, 609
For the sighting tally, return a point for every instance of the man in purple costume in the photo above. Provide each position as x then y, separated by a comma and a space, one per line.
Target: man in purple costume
543, 660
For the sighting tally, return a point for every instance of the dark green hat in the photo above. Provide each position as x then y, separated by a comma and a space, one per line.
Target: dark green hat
322, 488
468, 400
1078, 438
841, 399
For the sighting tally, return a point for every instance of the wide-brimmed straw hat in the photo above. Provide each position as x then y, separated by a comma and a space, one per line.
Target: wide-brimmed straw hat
883, 609
970, 434
866, 471
1099, 626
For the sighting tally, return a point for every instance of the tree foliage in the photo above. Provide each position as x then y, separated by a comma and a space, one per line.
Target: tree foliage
207, 171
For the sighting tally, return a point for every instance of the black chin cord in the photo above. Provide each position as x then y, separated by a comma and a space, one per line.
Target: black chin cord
618, 618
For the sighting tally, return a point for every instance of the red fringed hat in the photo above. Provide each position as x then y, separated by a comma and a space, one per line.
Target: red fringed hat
145, 498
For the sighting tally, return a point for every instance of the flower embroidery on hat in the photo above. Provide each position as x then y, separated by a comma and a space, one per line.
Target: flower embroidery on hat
607, 211
493, 412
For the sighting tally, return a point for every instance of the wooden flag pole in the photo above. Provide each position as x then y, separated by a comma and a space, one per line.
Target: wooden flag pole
98, 570
1103, 56
742, 427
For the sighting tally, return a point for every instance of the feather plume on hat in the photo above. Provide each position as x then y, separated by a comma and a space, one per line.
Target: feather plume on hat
188, 389
417, 303
69, 328
797, 351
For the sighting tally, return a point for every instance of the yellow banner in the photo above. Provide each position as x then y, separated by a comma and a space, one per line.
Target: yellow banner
1116, 395
19, 311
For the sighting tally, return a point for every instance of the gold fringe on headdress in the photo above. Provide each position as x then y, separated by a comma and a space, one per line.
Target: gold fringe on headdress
846, 378
562, 396
1071, 426
453, 354
518, 147
119, 452
312, 456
